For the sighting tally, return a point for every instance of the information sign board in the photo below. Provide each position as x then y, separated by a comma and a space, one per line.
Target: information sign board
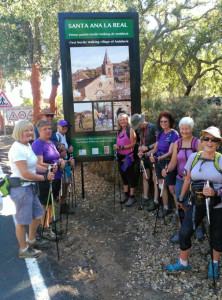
100, 76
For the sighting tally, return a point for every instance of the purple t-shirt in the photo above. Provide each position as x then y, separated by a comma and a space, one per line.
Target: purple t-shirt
165, 140
48, 152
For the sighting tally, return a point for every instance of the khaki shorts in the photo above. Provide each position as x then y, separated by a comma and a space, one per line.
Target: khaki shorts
27, 204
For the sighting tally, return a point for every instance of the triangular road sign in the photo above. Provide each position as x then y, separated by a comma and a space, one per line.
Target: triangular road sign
4, 102
30, 115
13, 117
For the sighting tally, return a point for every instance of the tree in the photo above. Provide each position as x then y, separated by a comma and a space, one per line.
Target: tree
192, 53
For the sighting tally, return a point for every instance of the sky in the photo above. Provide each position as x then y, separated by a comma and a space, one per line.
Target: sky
92, 57
14, 95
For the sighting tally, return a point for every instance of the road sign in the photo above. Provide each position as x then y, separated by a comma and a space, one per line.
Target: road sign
22, 115
4, 102
13, 117
19, 113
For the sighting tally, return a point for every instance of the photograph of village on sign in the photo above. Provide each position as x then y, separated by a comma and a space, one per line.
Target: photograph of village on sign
100, 73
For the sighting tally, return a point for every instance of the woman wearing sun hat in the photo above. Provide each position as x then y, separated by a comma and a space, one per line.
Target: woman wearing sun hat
204, 166
147, 134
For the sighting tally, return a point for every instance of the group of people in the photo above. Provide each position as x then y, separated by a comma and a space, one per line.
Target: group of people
39, 164
188, 168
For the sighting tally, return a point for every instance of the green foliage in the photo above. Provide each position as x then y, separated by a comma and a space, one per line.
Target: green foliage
204, 114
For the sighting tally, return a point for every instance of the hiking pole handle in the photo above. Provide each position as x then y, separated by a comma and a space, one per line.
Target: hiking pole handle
154, 169
207, 201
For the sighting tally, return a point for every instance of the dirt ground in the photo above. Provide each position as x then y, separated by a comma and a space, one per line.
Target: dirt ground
111, 254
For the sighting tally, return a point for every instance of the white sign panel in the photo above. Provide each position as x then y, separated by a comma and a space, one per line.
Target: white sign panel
19, 113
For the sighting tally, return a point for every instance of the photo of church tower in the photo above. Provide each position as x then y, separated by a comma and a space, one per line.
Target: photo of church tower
108, 80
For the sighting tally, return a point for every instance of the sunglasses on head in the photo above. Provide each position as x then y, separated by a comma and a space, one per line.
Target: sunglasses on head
52, 116
213, 140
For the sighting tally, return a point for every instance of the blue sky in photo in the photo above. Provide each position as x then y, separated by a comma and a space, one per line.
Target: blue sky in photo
92, 57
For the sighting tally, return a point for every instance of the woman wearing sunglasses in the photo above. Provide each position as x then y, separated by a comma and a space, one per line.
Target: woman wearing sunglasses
182, 150
204, 177
163, 150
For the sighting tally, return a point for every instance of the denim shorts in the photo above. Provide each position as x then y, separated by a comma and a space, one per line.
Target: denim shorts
178, 188
27, 204
171, 176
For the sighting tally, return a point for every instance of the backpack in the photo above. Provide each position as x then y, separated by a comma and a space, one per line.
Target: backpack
193, 142
216, 160
170, 136
127, 131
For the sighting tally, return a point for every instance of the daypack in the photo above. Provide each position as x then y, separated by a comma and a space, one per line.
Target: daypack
216, 160
127, 131
10, 182
170, 136
193, 142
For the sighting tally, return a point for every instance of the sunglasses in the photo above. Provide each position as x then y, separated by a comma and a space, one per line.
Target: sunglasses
213, 140
52, 116
164, 121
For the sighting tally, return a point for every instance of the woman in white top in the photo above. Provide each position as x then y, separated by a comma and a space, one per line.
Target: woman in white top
28, 208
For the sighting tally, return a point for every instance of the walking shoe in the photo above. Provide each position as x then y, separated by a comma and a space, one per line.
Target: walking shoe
210, 271
66, 210
199, 234
164, 213
177, 267
123, 199
152, 206
175, 219
175, 239
130, 202
38, 243
29, 253
57, 231
48, 234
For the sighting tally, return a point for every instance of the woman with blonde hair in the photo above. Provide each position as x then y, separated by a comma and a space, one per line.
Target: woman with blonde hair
125, 143
29, 211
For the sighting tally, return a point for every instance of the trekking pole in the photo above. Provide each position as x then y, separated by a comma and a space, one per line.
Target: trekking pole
114, 182
54, 220
161, 187
207, 201
53, 213
142, 170
73, 183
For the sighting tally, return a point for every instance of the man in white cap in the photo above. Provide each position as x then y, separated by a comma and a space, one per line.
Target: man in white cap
147, 133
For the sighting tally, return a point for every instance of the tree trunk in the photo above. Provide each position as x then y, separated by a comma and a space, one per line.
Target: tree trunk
55, 84
188, 90
1, 117
36, 91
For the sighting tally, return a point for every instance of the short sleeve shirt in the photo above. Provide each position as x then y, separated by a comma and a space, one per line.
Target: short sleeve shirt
205, 170
49, 153
20, 152
165, 140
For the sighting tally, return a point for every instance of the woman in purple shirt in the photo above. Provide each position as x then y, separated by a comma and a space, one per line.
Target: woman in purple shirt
47, 155
163, 150
125, 143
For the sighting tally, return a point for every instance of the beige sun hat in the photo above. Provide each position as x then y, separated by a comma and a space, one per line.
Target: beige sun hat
214, 131
46, 111
136, 120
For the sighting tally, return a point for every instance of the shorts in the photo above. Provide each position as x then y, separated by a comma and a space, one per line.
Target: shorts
44, 190
147, 163
68, 172
171, 176
27, 204
178, 188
